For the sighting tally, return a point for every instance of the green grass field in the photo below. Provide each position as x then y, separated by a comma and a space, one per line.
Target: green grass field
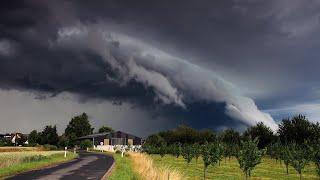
24, 161
268, 169
123, 169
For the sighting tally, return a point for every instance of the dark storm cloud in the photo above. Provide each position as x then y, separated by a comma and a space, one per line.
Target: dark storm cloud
264, 46
260, 46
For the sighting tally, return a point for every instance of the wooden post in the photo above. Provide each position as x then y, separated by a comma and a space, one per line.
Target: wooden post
65, 152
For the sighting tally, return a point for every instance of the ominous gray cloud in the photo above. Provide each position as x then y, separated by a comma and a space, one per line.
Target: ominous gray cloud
201, 63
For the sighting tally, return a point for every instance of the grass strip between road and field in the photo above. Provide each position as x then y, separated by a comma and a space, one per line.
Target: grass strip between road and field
143, 164
34, 164
123, 168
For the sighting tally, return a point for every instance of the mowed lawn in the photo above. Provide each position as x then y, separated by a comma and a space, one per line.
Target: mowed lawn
229, 169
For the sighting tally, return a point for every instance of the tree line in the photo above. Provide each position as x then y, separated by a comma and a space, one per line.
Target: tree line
296, 143
78, 126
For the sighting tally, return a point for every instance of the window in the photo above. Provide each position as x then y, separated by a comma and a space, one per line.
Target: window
118, 141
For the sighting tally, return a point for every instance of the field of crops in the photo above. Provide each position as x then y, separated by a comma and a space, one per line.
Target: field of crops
229, 169
15, 149
12, 158
16, 162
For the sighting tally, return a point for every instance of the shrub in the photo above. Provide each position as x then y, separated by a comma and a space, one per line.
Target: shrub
50, 147
86, 144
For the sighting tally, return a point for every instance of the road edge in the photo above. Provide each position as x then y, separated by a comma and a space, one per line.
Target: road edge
108, 173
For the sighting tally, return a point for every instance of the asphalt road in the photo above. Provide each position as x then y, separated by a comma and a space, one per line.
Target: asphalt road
87, 166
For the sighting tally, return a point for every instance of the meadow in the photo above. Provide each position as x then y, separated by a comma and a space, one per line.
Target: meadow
21, 161
229, 169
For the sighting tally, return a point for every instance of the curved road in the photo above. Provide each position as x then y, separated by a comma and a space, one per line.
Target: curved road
87, 166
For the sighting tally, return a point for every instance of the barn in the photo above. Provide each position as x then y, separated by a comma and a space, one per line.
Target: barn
113, 138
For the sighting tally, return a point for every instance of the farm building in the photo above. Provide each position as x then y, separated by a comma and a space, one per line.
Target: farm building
113, 138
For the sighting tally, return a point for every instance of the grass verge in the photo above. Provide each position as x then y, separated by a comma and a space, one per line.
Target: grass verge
35, 163
143, 165
229, 169
123, 168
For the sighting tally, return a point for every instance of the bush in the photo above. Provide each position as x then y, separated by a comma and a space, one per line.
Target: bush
50, 147
86, 144
34, 158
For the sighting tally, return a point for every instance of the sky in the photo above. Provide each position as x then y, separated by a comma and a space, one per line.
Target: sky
145, 66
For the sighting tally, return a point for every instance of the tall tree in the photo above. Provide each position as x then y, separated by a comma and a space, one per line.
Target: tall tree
230, 136
263, 133
79, 126
298, 130
105, 129
49, 135
154, 140
34, 138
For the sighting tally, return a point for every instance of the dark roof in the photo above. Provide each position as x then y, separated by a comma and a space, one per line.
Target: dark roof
90, 136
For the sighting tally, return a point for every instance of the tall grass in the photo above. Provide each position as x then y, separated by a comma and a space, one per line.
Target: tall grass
143, 165
123, 168
12, 158
18, 162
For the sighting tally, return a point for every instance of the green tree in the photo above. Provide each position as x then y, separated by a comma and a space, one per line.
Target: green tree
262, 132
79, 126
275, 151
230, 136
33, 138
86, 144
249, 156
64, 141
295, 130
210, 156
187, 153
154, 140
207, 136
316, 159
162, 150
300, 155
49, 135
285, 156
175, 150
105, 129
196, 151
